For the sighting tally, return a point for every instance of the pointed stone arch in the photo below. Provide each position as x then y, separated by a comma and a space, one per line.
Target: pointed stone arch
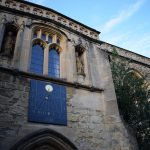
56, 46
136, 73
39, 25
44, 139
40, 42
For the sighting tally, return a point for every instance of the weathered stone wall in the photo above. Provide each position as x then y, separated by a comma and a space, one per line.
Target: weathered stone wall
126, 53
93, 117
139, 63
13, 106
88, 125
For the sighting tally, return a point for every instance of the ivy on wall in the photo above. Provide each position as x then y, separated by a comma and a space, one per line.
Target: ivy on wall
133, 98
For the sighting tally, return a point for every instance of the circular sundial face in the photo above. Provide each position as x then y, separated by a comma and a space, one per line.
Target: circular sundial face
48, 88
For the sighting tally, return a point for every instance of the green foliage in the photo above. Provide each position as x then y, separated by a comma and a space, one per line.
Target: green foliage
132, 96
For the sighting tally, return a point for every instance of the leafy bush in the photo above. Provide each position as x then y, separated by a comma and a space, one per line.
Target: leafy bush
133, 99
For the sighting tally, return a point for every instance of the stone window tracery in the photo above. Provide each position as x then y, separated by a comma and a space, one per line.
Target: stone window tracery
49, 37
50, 41
58, 41
43, 36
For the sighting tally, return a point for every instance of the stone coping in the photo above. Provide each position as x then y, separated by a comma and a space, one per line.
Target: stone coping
48, 13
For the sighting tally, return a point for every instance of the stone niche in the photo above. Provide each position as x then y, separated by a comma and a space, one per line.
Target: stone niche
9, 40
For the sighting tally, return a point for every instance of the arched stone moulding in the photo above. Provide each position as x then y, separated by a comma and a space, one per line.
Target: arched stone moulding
136, 73
56, 34
56, 46
40, 42
45, 137
140, 75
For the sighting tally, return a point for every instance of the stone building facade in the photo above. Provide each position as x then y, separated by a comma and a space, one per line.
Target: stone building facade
88, 117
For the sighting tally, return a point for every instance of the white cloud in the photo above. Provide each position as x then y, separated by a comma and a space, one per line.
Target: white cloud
124, 14
131, 39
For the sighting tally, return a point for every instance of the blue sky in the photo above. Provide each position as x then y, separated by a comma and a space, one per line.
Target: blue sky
125, 23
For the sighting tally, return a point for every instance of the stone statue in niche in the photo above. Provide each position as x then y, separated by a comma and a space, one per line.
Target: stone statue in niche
8, 45
79, 60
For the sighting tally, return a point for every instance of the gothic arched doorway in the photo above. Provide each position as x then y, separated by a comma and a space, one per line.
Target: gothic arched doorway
44, 140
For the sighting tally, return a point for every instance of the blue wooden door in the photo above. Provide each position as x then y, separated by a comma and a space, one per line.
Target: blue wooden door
47, 101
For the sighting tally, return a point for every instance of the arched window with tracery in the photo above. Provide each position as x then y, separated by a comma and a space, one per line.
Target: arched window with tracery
49, 56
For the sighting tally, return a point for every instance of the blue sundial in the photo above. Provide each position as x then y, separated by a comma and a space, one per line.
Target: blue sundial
47, 103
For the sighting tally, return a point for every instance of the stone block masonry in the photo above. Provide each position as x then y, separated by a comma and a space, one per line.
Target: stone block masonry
88, 126
93, 120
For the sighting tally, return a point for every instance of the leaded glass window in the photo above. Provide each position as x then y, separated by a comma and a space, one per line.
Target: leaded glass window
53, 63
37, 58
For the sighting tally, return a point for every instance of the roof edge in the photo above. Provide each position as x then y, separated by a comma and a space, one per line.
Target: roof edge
124, 49
54, 11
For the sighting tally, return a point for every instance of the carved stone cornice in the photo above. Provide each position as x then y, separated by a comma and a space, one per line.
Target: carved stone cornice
44, 12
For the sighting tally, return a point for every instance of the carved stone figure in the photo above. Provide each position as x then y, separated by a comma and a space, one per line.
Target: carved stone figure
22, 26
8, 46
80, 64
79, 50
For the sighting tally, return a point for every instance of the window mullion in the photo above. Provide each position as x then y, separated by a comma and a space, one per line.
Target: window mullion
45, 64
40, 34
54, 40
